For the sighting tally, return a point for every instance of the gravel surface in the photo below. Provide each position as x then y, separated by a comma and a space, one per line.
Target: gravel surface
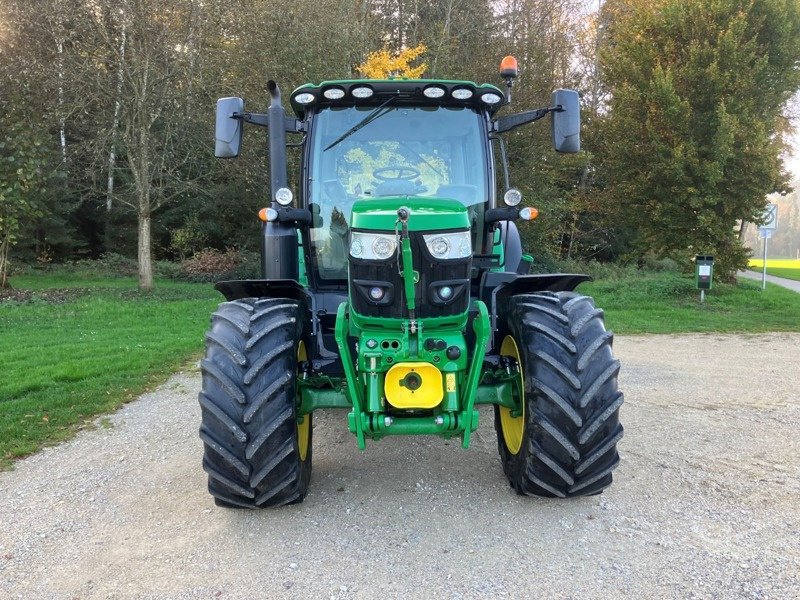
706, 502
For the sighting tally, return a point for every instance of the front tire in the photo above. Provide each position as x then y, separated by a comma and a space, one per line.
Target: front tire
256, 454
564, 442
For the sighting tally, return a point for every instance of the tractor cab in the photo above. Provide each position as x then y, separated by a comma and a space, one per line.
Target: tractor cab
394, 147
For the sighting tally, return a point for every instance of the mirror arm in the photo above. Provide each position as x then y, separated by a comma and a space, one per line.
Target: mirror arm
298, 217
529, 116
252, 118
495, 215
290, 125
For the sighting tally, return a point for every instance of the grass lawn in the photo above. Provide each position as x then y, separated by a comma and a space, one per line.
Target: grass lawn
779, 267
669, 303
69, 354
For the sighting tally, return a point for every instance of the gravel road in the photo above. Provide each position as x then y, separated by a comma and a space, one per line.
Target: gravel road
706, 502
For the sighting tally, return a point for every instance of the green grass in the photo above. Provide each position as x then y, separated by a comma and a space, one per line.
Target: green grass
85, 279
669, 303
787, 268
90, 351
785, 273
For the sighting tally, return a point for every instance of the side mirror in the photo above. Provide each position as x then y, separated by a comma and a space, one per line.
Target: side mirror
316, 217
567, 121
228, 131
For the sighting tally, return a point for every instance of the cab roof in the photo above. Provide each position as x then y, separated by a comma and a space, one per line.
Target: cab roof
410, 91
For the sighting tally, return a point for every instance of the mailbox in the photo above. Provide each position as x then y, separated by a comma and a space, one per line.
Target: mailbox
704, 271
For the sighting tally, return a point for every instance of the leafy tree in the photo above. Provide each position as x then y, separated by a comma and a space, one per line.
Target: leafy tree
691, 145
384, 63
23, 177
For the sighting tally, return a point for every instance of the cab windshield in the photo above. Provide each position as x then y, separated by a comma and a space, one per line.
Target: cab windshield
366, 152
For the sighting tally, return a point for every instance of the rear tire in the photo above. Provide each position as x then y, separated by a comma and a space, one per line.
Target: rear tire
565, 443
248, 401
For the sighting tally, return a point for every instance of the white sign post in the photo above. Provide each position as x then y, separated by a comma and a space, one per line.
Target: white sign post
766, 230
703, 271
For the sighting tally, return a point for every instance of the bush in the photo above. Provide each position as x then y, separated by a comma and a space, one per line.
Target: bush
189, 239
661, 265
212, 265
168, 269
108, 265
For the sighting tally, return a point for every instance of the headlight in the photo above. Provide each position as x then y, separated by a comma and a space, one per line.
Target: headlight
283, 196
361, 92
304, 98
512, 197
446, 246
334, 93
433, 91
372, 246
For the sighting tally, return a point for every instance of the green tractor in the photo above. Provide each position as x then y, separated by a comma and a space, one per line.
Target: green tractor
395, 287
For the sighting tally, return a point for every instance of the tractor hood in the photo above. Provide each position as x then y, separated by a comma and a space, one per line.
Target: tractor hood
427, 214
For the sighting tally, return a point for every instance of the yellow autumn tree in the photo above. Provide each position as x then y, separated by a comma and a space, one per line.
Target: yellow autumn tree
384, 63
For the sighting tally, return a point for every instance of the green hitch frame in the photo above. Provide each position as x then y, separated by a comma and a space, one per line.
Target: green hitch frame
366, 419
482, 329
354, 391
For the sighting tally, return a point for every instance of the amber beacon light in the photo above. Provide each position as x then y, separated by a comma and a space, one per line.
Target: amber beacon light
509, 71
508, 68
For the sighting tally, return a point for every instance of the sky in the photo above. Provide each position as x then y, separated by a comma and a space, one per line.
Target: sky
793, 161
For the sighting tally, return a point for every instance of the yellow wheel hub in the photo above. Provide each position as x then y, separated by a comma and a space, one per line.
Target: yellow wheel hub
513, 427
303, 428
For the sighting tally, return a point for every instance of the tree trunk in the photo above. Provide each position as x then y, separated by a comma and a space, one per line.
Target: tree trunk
145, 257
112, 153
5, 246
62, 126
742, 230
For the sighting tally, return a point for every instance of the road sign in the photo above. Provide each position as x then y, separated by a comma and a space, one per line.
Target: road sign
770, 218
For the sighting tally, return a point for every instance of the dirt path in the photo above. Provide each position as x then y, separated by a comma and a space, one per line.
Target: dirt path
706, 502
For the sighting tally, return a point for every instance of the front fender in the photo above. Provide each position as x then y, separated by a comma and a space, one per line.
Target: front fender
262, 288
496, 287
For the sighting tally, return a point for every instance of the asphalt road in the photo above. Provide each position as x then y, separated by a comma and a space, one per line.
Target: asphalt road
790, 284
706, 502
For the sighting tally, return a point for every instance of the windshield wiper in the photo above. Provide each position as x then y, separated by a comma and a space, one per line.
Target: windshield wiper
372, 116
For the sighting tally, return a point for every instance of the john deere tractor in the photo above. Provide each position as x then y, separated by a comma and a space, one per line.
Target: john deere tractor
395, 287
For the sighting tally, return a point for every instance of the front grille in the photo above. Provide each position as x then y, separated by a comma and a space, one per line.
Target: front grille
365, 273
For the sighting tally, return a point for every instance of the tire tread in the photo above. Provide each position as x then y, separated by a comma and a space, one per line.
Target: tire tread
572, 404
248, 405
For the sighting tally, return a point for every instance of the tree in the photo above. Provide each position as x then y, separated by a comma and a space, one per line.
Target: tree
691, 146
23, 177
384, 63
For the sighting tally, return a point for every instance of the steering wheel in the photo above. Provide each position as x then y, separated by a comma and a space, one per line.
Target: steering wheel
403, 173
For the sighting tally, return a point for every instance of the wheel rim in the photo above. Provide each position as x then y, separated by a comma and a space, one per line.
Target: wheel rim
513, 428
303, 428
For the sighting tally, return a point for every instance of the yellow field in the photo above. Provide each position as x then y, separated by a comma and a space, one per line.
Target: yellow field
776, 263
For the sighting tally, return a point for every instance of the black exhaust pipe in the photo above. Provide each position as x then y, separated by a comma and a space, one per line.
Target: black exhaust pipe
279, 252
